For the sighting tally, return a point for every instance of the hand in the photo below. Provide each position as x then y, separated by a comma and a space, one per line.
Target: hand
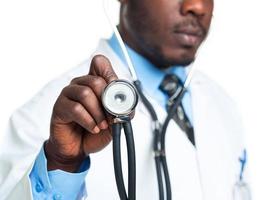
79, 125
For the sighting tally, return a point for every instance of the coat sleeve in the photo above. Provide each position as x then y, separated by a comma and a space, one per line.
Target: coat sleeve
26, 132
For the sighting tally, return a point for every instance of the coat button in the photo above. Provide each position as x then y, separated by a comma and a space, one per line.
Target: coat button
38, 187
57, 197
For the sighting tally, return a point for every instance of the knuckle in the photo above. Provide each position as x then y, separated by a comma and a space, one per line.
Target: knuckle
110, 75
65, 90
84, 93
98, 82
74, 80
77, 108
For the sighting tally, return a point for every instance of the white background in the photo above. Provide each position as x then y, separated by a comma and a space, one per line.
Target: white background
40, 39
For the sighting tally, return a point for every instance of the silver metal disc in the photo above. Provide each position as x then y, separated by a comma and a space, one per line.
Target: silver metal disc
119, 98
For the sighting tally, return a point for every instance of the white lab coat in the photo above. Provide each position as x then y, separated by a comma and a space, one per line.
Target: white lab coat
207, 173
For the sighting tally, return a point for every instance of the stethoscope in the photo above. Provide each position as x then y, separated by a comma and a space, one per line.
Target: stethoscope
120, 99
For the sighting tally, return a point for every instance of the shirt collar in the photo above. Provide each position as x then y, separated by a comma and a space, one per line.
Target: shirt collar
147, 73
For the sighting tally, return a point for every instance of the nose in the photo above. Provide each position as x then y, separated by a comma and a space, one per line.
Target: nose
198, 8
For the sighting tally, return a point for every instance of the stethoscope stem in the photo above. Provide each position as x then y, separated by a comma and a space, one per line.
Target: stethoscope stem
116, 129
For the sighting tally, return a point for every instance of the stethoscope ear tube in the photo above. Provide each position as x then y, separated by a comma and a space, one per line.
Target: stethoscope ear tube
160, 159
159, 139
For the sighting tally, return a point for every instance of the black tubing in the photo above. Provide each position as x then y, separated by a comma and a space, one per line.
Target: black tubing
148, 105
160, 138
159, 177
131, 160
170, 115
117, 161
157, 137
167, 178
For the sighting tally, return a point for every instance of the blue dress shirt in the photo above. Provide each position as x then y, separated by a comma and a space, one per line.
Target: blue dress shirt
151, 76
58, 184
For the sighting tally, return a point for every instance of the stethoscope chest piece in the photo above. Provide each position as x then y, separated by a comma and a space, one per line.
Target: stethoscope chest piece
120, 98
241, 191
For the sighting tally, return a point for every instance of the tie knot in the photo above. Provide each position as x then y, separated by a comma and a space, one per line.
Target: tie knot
170, 84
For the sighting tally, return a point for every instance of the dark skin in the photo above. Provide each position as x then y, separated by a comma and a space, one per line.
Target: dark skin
166, 32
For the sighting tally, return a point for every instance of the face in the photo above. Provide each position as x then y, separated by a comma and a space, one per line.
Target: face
167, 32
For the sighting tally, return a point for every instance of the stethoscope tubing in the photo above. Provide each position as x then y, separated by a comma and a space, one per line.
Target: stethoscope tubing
116, 128
171, 113
131, 160
159, 140
157, 136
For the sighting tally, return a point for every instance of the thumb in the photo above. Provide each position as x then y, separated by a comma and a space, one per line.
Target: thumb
101, 66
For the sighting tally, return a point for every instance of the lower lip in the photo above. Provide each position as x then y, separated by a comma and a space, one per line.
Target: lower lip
188, 40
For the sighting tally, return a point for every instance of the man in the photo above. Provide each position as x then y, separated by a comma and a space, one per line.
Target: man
162, 38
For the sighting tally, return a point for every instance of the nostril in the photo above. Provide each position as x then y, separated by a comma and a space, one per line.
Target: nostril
195, 7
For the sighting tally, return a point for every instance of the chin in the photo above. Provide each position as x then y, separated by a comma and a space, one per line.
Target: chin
176, 62
177, 57
183, 61
168, 62
163, 58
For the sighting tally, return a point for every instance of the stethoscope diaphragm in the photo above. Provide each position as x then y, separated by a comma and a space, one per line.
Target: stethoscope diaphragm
120, 98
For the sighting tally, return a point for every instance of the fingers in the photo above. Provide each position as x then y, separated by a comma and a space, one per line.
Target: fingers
80, 102
75, 112
87, 98
101, 66
97, 83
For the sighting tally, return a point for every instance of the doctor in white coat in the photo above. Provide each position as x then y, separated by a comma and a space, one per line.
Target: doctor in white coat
43, 161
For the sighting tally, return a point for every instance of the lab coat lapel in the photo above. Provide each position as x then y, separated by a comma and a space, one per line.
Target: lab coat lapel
181, 158
213, 149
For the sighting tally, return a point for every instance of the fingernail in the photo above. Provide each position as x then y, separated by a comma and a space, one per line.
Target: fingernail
96, 130
103, 125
